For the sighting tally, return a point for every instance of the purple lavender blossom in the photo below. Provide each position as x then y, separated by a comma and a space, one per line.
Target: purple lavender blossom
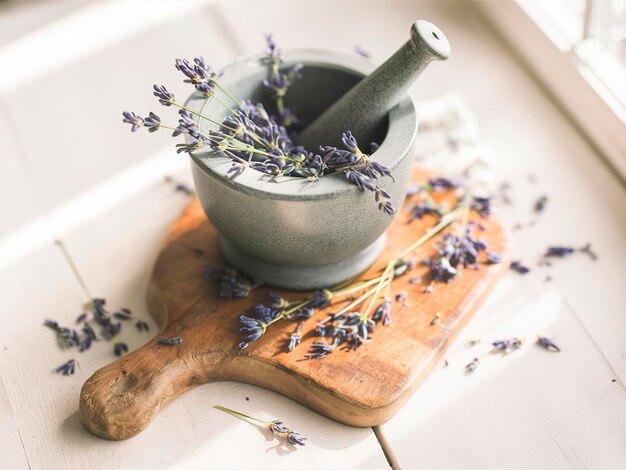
294, 339
360, 180
559, 251
164, 96
517, 266
540, 204
152, 122
493, 258
439, 184
420, 210
383, 312
362, 52
67, 368
131, 118
320, 349
507, 345
547, 344
120, 349
482, 205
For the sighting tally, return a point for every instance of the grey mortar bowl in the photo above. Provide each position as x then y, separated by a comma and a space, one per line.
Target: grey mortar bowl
291, 232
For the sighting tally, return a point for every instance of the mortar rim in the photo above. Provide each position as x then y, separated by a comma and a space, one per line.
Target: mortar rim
398, 141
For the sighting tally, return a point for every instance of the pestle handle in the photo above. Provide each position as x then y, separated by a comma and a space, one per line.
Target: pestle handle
365, 106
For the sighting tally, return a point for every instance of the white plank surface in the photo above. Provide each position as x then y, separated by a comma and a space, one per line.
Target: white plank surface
530, 409
11, 448
115, 253
80, 139
15, 181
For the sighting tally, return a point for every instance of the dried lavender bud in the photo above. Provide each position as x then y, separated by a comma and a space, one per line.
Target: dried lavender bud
111, 330
507, 345
362, 52
455, 252
471, 367
120, 348
439, 184
131, 118
232, 284
294, 340
517, 266
436, 319
253, 327
186, 125
164, 96
540, 204
442, 270
415, 280
279, 430
493, 258
428, 289
320, 349
198, 74
142, 325
547, 343
482, 205
559, 251
383, 312
124, 315
420, 210
67, 368
152, 122
360, 180
170, 341
67, 337
81, 318
401, 297
235, 170
90, 337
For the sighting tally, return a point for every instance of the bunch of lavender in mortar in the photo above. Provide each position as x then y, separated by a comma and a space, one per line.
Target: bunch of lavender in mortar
252, 138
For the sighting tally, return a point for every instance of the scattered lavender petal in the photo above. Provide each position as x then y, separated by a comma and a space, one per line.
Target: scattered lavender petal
517, 266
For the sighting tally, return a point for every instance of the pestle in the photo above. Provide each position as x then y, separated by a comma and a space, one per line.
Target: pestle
365, 105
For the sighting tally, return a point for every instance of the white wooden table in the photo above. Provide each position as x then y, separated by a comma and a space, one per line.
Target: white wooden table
70, 169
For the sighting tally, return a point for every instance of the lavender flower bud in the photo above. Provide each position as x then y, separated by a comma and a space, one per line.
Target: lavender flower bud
133, 119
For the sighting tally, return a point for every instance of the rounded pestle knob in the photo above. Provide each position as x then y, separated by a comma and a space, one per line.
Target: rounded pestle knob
363, 108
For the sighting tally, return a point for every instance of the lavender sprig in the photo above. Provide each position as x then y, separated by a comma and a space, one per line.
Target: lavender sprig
276, 426
95, 314
252, 138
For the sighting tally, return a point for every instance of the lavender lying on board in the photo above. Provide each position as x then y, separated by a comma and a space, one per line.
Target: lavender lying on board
349, 327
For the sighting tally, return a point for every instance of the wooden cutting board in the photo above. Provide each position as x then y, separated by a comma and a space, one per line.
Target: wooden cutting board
361, 388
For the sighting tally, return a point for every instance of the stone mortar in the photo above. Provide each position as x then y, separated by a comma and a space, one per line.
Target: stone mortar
291, 232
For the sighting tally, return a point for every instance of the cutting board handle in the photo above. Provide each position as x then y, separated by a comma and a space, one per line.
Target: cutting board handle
121, 399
